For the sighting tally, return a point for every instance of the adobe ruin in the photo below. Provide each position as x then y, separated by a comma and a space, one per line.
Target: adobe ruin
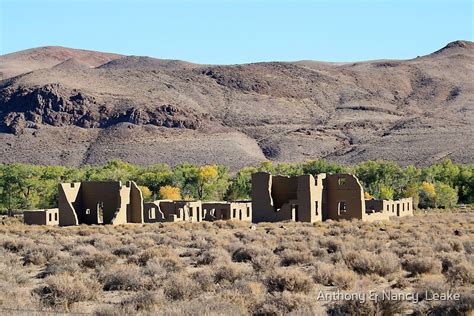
48, 217
239, 210
327, 197
100, 203
274, 198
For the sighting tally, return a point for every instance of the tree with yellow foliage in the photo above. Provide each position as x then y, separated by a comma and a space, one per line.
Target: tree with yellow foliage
368, 196
146, 193
427, 195
169, 192
207, 177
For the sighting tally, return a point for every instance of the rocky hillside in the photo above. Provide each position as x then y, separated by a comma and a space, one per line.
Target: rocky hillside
72, 107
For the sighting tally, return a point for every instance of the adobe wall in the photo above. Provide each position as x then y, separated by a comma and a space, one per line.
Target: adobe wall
109, 194
216, 211
67, 200
135, 209
41, 217
309, 198
243, 211
227, 211
264, 189
342, 189
80, 203
34, 217
154, 213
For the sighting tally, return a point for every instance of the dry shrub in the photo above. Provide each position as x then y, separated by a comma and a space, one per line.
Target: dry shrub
121, 278
213, 256
332, 245
83, 250
142, 302
365, 262
356, 306
464, 306
205, 279
288, 279
280, 303
243, 293
98, 259
294, 257
18, 245
343, 278
63, 290
417, 265
39, 255
460, 274
125, 251
64, 265
434, 283
323, 273
180, 287
468, 246
261, 259
230, 272
157, 252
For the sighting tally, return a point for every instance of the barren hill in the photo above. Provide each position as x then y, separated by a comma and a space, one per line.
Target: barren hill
146, 110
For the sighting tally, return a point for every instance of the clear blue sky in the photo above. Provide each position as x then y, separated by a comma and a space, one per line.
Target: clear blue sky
225, 31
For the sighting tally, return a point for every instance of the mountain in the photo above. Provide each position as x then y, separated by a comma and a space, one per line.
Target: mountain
46, 57
81, 107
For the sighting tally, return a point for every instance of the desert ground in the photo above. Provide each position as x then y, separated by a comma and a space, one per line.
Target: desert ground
240, 268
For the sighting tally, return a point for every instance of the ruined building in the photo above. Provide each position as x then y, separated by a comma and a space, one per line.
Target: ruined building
172, 211
42, 217
239, 210
309, 199
100, 203
274, 198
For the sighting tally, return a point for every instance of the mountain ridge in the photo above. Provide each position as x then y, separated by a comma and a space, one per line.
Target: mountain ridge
411, 111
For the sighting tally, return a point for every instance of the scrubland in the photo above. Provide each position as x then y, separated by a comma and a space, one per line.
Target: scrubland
239, 268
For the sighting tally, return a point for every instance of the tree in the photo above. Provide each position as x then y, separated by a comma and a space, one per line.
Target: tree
114, 170
155, 176
367, 196
386, 193
20, 184
212, 182
427, 195
146, 193
446, 196
185, 177
315, 167
445, 172
411, 190
168, 192
465, 183
241, 186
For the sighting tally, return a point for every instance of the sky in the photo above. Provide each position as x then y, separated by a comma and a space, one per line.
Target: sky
231, 31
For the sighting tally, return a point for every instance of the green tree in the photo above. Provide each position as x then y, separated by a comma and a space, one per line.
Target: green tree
114, 170
412, 190
241, 185
155, 176
385, 192
315, 167
185, 177
446, 196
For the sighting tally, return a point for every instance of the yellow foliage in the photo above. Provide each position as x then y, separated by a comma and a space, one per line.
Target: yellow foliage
367, 196
428, 188
147, 194
207, 173
169, 192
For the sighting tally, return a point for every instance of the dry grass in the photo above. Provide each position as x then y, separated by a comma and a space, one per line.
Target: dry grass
227, 267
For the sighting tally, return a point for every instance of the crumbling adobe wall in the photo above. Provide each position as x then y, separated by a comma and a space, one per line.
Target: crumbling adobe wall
343, 189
